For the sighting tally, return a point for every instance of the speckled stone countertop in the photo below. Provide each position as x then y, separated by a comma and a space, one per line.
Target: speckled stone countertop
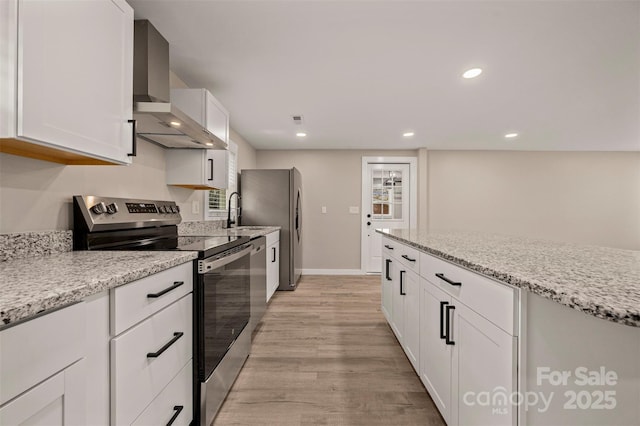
242, 231
32, 285
600, 281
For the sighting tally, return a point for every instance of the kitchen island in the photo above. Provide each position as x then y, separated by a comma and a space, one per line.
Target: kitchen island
571, 314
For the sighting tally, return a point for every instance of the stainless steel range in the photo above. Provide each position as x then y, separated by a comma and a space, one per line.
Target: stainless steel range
222, 339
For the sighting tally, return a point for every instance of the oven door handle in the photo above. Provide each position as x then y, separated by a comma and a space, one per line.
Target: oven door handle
205, 265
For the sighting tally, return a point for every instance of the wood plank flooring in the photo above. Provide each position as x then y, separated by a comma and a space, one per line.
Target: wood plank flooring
324, 355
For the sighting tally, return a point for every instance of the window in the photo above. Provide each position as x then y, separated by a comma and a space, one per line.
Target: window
216, 200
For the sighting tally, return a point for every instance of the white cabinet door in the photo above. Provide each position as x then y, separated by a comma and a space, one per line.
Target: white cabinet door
397, 301
217, 117
387, 288
435, 354
483, 361
75, 76
59, 400
411, 320
198, 168
273, 269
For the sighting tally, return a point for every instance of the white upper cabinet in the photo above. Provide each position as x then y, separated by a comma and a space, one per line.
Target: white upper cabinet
200, 105
198, 168
68, 83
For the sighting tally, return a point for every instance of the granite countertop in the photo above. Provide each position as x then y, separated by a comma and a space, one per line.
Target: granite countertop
241, 231
31, 285
600, 281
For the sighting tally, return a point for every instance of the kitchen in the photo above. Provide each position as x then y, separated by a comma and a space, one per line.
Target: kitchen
545, 184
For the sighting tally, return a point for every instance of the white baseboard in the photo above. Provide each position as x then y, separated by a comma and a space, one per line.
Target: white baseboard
332, 272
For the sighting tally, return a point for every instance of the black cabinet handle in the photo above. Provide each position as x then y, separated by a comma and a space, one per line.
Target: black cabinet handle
210, 168
178, 409
443, 335
274, 254
402, 283
176, 336
408, 258
134, 139
386, 273
388, 246
175, 285
447, 338
447, 280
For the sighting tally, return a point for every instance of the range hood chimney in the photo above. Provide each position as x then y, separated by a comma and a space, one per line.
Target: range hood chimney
157, 120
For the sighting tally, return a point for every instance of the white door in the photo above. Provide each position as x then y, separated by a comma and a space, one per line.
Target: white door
388, 202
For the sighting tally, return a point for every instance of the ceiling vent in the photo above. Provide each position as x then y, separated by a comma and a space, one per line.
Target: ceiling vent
297, 119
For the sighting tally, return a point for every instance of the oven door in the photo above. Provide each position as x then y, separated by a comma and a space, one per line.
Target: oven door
223, 301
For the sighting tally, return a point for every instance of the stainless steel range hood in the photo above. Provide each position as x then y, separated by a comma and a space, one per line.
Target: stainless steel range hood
157, 120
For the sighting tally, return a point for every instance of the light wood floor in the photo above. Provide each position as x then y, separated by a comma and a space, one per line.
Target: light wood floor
324, 355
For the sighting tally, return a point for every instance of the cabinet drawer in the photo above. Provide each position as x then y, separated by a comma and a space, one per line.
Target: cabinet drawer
37, 349
408, 256
492, 300
133, 302
136, 377
273, 237
389, 247
174, 400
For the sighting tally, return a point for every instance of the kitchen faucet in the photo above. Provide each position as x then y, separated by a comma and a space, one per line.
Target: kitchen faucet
229, 221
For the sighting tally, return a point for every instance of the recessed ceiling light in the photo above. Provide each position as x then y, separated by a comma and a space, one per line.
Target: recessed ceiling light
408, 134
301, 134
472, 73
175, 123
208, 144
511, 135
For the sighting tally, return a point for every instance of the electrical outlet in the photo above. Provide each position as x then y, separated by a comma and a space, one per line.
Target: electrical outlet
195, 207
324, 209
354, 209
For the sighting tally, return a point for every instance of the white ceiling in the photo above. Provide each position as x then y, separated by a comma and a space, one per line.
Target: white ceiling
565, 75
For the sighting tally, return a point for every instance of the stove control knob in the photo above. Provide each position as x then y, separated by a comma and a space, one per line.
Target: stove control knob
160, 209
112, 208
177, 208
173, 209
99, 208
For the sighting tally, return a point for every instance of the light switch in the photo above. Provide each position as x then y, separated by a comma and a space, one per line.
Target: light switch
195, 207
354, 209
324, 209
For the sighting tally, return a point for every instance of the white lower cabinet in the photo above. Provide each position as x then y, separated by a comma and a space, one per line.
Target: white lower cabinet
273, 263
458, 330
59, 400
173, 405
42, 370
484, 363
435, 354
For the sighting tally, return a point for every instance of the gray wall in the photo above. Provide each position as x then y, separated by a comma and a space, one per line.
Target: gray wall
580, 197
330, 178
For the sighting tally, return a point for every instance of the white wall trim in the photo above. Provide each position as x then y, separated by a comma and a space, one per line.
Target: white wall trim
332, 272
413, 196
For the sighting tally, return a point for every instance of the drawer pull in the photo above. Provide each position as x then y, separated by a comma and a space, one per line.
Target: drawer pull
175, 285
402, 293
447, 338
176, 336
388, 246
408, 258
178, 409
447, 280
443, 335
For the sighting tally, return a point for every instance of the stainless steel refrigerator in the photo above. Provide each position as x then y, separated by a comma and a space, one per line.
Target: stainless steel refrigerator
274, 197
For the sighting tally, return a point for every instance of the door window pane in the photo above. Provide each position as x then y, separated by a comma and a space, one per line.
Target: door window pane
387, 197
